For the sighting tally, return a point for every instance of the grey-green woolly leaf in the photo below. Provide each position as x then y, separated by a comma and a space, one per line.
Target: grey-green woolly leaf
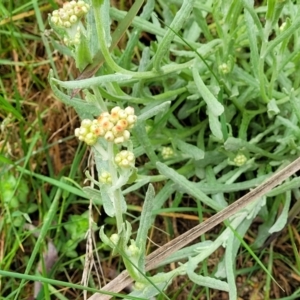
215, 125
91, 98
282, 219
229, 266
273, 109
287, 186
139, 131
233, 144
145, 222
164, 46
104, 12
107, 200
214, 106
295, 103
252, 37
206, 281
92, 32
263, 229
163, 195
125, 234
83, 56
186, 252
104, 238
148, 113
84, 110
138, 184
189, 150
93, 194
184, 185
88, 82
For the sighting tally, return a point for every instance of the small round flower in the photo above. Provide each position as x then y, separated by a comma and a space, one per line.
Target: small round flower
73, 19
122, 124
55, 13
55, 20
107, 125
109, 136
97, 130
126, 135
77, 132
115, 110
129, 110
122, 114
83, 131
63, 15
90, 139
114, 117
131, 119
67, 24
117, 130
119, 140
70, 12
86, 123
114, 238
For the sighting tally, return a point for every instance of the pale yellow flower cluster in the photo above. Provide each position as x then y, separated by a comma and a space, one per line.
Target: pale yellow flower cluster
240, 160
68, 17
105, 177
113, 126
125, 159
167, 152
70, 13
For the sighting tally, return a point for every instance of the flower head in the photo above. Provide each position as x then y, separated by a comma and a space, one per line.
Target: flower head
240, 160
125, 159
68, 17
113, 126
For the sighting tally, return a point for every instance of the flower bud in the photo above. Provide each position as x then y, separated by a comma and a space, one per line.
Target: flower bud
77, 132
122, 114
86, 123
73, 19
119, 140
115, 110
126, 135
133, 250
114, 238
90, 139
83, 131
67, 24
224, 69
109, 136
129, 110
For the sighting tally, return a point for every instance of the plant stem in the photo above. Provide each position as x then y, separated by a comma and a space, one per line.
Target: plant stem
117, 197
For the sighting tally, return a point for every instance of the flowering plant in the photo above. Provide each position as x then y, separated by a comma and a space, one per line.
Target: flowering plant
125, 104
